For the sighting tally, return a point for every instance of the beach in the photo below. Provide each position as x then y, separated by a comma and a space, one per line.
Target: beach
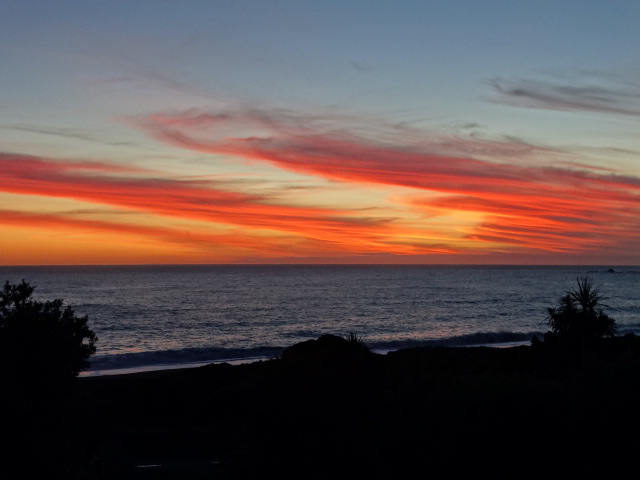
323, 408
236, 313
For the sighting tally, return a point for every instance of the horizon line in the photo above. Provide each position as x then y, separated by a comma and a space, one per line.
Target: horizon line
322, 265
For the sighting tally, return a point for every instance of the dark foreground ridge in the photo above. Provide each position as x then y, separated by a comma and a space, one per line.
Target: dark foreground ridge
330, 405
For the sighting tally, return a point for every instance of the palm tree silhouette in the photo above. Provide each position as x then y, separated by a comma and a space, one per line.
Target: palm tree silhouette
578, 319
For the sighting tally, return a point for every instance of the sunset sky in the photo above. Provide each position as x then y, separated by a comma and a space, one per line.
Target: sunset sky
187, 131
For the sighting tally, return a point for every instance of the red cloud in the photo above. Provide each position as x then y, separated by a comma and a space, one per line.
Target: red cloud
318, 229
538, 207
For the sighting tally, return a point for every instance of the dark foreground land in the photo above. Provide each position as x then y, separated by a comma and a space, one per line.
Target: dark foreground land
329, 408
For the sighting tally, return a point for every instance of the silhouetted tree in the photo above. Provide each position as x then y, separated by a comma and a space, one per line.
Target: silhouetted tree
42, 340
578, 320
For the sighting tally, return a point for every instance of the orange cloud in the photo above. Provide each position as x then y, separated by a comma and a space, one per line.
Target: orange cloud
193, 243
265, 228
544, 208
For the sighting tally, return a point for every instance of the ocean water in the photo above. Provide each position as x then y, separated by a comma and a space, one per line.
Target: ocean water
149, 317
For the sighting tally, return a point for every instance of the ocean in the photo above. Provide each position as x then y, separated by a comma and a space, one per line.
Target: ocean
160, 317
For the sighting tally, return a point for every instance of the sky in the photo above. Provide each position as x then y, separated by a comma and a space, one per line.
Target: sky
367, 132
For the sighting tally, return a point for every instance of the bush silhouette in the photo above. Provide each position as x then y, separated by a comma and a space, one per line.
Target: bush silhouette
328, 349
578, 319
41, 340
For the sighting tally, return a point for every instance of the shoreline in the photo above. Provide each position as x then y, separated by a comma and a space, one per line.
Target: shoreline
161, 368
239, 361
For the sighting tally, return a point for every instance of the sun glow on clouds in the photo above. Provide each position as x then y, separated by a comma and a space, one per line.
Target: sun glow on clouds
514, 203
322, 192
195, 217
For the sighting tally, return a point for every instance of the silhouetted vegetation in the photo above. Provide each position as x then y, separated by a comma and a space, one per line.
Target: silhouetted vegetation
331, 406
355, 340
41, 340
579, 320
43, 346
325, 407
328, 348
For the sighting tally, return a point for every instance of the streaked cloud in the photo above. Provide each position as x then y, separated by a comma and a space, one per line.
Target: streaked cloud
135, 190
515, 203
54, 131
191, 243
608, 98
71, 134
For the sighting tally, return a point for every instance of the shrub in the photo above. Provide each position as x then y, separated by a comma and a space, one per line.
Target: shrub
41, 340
